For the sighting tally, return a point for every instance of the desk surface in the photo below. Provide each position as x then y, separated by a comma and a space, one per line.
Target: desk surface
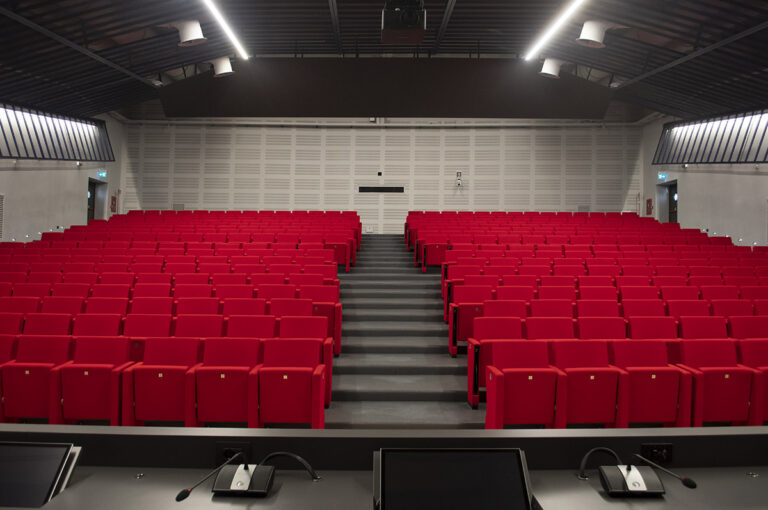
121, 489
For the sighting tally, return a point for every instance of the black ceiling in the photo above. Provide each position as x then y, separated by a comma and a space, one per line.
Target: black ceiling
40, 71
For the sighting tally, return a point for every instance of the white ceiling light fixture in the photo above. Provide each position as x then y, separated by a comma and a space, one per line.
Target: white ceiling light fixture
190, 33
593, 33
222, 67
552, 30
551, 68
227, 30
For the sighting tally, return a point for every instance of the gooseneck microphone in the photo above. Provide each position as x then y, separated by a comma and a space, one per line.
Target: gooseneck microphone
686, 481
184, 493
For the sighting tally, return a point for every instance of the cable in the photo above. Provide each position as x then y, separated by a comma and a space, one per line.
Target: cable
583, 465
312, 473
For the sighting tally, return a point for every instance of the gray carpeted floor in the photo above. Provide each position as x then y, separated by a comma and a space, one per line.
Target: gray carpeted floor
395, 370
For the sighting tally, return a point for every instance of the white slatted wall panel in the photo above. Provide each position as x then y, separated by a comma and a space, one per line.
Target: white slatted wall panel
223, 167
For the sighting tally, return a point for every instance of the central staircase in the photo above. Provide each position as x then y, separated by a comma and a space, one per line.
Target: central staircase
395, 371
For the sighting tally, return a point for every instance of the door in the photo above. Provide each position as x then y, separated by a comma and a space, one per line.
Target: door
91, 200
672, 201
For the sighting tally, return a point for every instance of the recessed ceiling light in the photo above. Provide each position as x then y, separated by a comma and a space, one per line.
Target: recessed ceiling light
552, 30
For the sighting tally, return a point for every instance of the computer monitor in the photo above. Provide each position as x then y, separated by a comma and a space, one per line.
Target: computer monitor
453, 479
32, 473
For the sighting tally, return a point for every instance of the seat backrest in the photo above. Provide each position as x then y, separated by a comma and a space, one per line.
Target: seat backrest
679, 293
566, 354
719, 292
472, 293
703, 327
754, 352
519, 354
71, 289
652, 327
303, 327
557, 292
602, 327
97, 324
41, 349
732, 307
598, 292
172, 351
754, 292
139, 324
152, 305
11, 323
202, 325
193, 290
107, 305
197, 305
47, 324
151, 290
243, 306
694, 307
292, 352
62, 304
111, 290
253, 326
32, 289
231, 352
597, 308
320, 293
749, 326
515, 292
497, 327
639, 353
290, 306
639, 292
269, 292
549, 327
708, 353
643, 308
505, 308
551, 308
112, 350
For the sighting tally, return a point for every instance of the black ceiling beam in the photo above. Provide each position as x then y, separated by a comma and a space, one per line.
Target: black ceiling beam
334, 8
450, 4
696, 54
66, 42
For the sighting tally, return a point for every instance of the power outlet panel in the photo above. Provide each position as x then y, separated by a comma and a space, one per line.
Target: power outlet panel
660, 453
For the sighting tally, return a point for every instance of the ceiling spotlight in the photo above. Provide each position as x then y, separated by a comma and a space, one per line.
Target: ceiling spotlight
551, 68
190, 33
593, 33
222, 67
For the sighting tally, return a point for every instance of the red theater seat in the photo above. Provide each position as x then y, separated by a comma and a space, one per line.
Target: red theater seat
549, 328
597, 390
156, 388
252, 326
20, 304
478, 353
111, 290
90, 385
47, 324
234, 291
81, 290
222, 381
732, 307
11, 323
106, 305
199, 325
523, 388
602, 327
96, 324
243, 306
312, 327
754, 353
652, 327
325, 303
688, 307
38, 290
597, 308
289, 385
30, 379
152, 305
290, 306
551, 308
643, 308
658, 392
62, 304
505, 308
197, 305
467, 303
703, 327
147, 325
269, 291
749, 326
723, 389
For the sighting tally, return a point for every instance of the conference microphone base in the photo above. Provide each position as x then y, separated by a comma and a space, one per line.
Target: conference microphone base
249, 480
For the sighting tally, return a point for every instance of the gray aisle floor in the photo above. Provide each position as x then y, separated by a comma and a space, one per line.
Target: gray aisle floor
394, 371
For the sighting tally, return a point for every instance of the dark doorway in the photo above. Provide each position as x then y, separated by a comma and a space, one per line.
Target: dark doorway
672, 190
91, 200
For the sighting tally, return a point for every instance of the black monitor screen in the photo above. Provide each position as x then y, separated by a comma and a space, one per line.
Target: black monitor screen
28, 472
453, 480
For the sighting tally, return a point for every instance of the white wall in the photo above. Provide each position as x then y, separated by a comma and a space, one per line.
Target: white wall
727, 199
512, 168
40, 195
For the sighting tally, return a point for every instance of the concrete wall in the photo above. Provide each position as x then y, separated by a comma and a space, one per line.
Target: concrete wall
41, 195
728, 199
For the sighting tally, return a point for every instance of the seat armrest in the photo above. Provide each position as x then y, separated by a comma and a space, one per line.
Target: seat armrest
690, 370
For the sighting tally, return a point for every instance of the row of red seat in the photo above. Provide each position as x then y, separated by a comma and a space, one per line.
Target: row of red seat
623, 382
188, 380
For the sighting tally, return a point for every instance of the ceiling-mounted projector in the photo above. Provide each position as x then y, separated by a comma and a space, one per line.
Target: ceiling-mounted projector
403, 22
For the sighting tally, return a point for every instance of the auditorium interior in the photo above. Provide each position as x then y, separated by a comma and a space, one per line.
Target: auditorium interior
384, 254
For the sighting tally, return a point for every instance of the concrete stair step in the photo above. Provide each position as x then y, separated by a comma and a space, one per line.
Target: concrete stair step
404, 314
405, 284
394, 345
400, 364
403, 388
385, 294
403, 415
368, 328
382, 303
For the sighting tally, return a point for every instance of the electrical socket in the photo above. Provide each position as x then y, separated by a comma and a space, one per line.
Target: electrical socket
225, 450
660, 453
